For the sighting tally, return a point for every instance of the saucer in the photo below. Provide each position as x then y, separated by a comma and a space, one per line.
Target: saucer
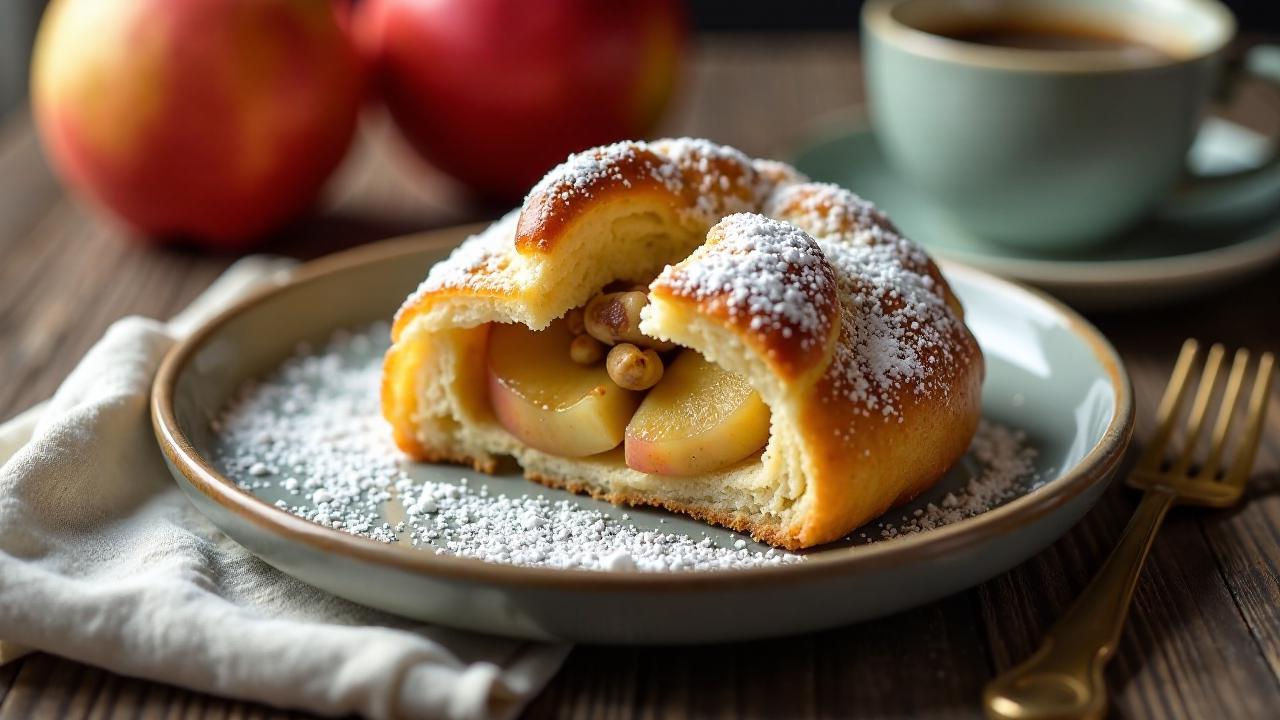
1152, 264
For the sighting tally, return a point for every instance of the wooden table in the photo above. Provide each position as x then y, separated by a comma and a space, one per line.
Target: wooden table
1203, 639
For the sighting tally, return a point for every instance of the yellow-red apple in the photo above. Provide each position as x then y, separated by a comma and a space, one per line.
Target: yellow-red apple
210, 120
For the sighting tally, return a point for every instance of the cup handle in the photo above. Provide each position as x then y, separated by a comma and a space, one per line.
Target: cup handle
1237, 197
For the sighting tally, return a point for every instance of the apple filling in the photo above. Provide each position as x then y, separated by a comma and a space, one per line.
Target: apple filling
592, 381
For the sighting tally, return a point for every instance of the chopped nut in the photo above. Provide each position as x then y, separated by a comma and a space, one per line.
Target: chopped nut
586, 350
633, 368
615, 317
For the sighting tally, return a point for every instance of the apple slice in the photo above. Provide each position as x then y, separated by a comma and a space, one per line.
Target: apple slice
699, 418
550, 402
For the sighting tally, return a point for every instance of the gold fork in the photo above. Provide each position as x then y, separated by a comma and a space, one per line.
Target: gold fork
1063, 679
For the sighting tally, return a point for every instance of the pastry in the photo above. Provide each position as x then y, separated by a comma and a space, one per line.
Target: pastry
674, 324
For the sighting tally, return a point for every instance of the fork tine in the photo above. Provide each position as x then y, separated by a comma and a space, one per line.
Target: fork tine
1257, 414
1167, 415
1226, 414
1199, 408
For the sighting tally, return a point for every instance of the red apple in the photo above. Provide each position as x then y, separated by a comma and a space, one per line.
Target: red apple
212, 120
496, 92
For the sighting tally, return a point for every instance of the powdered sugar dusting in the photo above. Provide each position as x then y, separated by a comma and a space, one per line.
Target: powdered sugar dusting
576, 178
311, 435
714, 180
775, 173
576, 174
702, 156
764, 271
896, 326
826, 209
721, 180
479, 264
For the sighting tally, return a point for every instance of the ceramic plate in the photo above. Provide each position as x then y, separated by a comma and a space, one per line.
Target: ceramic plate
1049, 373
1158, 262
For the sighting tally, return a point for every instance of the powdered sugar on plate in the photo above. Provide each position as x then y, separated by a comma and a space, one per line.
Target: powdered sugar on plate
310, 439
1005, 465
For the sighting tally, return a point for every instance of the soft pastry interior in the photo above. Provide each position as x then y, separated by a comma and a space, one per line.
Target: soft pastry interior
815, 368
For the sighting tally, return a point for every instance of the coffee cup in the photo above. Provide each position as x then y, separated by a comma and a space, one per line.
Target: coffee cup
1050, 124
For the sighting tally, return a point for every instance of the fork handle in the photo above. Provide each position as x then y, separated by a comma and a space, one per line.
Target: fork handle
1063, 679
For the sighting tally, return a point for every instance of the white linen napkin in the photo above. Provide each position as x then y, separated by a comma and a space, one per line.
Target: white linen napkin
103, 560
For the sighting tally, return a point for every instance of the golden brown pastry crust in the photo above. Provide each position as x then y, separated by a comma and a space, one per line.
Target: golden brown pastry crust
792, 347
869, 363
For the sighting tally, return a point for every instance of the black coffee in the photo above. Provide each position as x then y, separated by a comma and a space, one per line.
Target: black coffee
1047, 34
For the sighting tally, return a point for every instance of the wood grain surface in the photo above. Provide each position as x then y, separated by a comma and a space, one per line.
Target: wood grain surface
1203, 640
